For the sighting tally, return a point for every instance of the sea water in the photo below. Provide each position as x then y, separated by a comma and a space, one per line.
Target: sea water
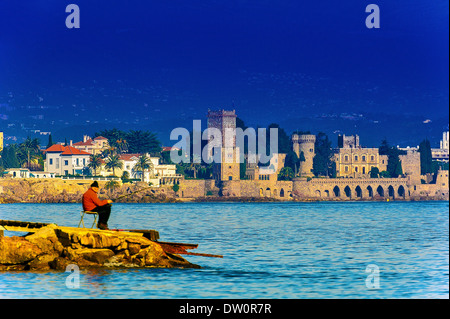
271, 250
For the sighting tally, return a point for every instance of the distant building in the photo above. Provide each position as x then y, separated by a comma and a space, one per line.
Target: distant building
65, 160
351, 141
229, 166
92, 146
303, 145
352, 160
1, 142
18, 172
268, 172
442, 154
158, 174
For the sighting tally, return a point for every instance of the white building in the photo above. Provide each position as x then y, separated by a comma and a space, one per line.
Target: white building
92, 146
65, 160
442, 153
18, 172
158, 174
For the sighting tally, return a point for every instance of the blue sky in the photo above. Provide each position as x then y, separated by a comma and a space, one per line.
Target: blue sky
159, 64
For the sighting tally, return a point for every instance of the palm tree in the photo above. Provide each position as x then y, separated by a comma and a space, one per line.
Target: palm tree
29, 150
113, 162
143, 163
95, 161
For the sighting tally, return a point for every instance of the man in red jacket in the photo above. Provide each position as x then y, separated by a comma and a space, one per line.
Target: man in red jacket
93, 204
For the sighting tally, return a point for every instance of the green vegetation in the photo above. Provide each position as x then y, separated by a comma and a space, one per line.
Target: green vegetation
322, 163
426, 161
394, 166
132, 142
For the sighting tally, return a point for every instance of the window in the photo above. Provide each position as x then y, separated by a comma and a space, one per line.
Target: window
372, 158
66, 163
356, 169
346, 158
363, 158
230, 178
51, 161
346, 168
356, 158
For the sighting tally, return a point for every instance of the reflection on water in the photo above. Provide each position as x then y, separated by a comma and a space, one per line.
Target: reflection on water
271, 250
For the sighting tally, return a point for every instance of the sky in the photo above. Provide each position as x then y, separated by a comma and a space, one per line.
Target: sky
157, 65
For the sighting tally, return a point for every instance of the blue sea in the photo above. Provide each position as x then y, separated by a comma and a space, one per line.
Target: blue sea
271, 250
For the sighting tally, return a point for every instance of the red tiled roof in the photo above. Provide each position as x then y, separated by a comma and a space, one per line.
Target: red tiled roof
88, 142
100, 138
128, 157
55, 148
73, 151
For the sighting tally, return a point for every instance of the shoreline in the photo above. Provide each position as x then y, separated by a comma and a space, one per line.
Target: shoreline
62, 191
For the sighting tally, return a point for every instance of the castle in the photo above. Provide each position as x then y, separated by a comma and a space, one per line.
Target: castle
353, 166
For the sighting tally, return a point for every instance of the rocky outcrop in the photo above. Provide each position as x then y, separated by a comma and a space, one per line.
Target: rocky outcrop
54, 247
14, 190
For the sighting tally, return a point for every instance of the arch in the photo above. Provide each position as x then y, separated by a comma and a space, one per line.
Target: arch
275, 192
261, 192
348, 192
391, 191
282, 192
380, 191
268, 192
358, 191
327, 193
401, 191
318, 193
370, 191
337, 191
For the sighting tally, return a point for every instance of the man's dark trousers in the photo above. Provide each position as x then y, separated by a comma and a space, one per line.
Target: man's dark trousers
103, 213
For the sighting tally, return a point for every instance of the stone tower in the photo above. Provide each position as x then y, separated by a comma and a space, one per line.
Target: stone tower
304, 143
229, 167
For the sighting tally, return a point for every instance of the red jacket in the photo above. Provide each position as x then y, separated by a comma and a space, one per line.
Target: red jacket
91, 201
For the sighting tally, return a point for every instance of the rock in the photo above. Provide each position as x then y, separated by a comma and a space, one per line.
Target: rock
98, 256
54, 247
17, 250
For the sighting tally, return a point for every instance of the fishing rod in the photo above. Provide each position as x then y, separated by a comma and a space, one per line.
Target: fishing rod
132, 193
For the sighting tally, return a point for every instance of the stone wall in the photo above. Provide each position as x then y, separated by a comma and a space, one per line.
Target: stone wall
411, 165
351, 188
280, 190
192, 188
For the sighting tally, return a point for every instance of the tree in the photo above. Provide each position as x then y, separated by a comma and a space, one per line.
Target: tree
394, 166
426, 160
95, 161
113, 162
125, 176
50, 141
322, 163
374, 172
143, 142
143, 163
10, 159
29, 151
176, 188
112, 135
292, 161
286, 174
